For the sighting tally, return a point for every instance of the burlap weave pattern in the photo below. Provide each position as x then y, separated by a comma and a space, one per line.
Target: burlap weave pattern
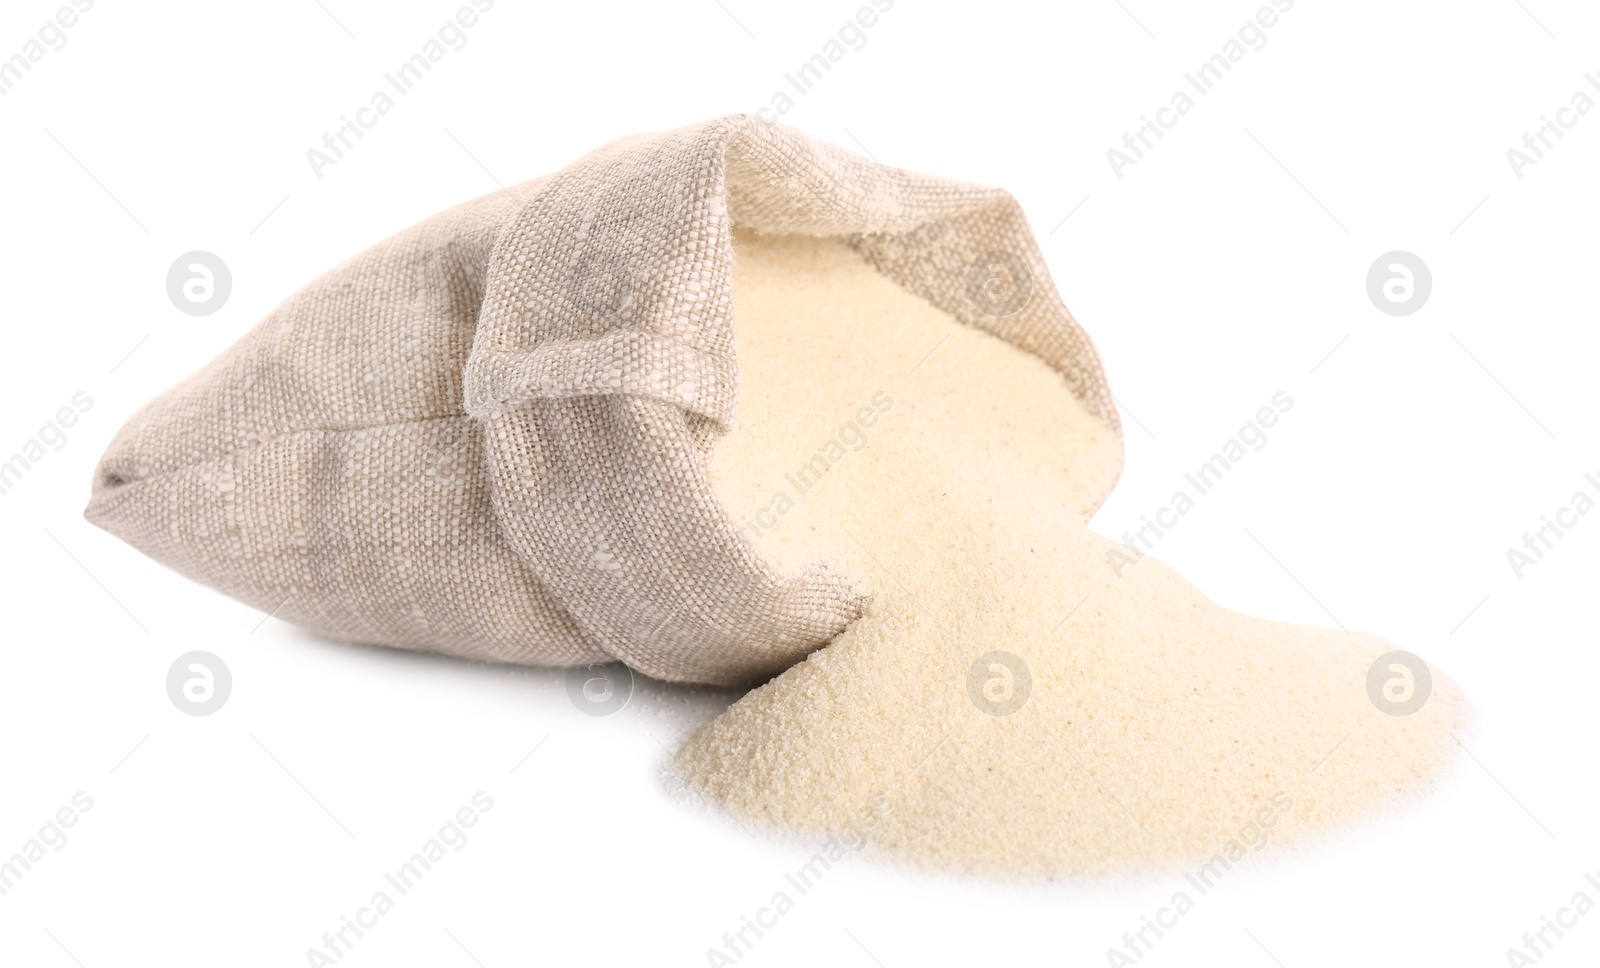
489, 435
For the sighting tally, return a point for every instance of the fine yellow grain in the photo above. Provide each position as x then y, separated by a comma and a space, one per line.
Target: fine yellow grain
949, 475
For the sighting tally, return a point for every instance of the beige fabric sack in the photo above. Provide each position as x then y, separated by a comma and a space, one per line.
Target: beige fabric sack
489, 435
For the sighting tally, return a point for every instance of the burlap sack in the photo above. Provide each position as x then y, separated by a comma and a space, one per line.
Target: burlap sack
489, 435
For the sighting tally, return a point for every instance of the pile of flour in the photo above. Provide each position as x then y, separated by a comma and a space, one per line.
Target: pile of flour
1007, 703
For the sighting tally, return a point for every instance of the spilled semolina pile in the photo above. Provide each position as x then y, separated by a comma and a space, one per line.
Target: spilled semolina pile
1007, 703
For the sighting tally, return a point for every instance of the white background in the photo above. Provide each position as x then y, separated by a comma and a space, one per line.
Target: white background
1228, 264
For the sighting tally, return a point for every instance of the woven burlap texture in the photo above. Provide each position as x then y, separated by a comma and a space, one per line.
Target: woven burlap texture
489, 435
